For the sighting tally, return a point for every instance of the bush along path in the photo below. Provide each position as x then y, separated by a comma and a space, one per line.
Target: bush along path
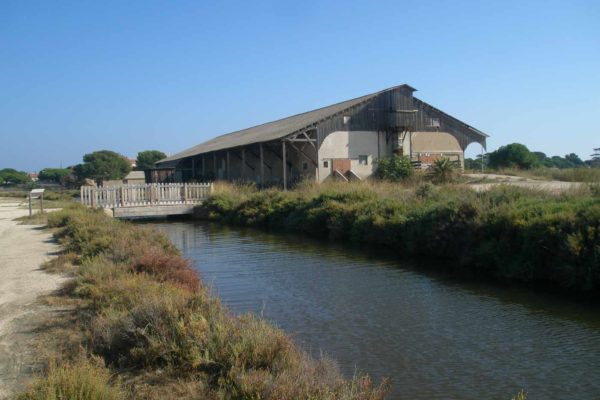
144, 326
507, 232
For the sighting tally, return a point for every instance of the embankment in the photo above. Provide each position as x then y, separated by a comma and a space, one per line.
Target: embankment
144, 326
509, 233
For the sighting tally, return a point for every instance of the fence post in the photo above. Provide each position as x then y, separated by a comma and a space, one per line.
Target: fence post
185, 192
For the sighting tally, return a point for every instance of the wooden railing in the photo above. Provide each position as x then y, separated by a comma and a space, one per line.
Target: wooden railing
145, 194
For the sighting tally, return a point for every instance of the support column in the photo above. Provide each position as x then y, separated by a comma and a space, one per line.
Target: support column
203, 169
193, 168
262, 166
317, 153
228, 173
284, 166
215, 165
243, 163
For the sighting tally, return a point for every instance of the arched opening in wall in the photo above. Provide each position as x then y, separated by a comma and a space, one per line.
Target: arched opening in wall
473, 155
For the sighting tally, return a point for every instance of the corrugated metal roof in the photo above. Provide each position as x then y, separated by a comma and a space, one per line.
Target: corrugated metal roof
276, 129
269, 131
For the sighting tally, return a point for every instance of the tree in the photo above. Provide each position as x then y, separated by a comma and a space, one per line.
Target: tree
475, 164
595, 159
103, 165
146, 159
471, 164
543, 159
394, 168
514, 155
574, 160
10, 176
56, 175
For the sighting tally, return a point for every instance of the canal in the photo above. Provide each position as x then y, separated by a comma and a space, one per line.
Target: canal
434, 336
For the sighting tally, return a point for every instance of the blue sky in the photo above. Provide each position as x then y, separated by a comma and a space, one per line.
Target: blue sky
129, 76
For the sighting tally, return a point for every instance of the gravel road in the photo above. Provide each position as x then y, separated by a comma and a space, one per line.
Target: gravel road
23, 248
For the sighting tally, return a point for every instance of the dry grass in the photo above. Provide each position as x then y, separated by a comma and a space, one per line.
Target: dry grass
37, 218
82, 380
583, 174
141, 308
62, 264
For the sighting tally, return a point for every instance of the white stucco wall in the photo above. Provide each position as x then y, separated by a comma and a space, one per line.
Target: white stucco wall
351, 144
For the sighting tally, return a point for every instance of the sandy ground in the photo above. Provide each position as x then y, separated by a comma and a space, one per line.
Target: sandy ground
485, 181
23, 248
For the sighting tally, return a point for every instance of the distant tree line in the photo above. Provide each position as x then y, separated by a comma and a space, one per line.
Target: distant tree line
107, 165
517, 155
10, 176
98, 166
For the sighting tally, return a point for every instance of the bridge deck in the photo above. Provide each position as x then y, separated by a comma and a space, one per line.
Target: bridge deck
152, 211
148, 200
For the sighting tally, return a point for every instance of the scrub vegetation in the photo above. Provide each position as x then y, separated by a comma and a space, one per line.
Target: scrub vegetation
508, 233
146, 327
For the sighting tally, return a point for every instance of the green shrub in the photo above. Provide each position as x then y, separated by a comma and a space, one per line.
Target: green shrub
395, 168
506, 232
425, 190
443, 170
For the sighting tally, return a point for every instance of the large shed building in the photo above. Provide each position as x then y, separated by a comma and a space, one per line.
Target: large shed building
341, 141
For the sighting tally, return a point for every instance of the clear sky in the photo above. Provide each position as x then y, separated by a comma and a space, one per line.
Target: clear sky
79, 76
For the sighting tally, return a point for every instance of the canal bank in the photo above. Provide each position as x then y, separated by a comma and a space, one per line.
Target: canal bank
434, 336
505, 233
143, 325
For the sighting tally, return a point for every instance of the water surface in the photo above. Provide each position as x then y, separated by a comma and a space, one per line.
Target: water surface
435, 337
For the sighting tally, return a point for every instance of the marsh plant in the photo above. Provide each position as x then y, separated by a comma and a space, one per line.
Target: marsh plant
506, 232
150, 329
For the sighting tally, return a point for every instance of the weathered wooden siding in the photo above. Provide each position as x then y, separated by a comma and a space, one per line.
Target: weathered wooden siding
388, 114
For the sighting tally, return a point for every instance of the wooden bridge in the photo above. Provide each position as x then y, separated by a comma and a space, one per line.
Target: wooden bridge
147, 200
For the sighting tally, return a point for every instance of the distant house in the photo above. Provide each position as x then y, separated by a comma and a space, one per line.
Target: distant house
33, 176
134, 178
342, 141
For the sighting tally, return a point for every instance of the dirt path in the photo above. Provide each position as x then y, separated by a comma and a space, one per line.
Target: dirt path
23, 248
486, 181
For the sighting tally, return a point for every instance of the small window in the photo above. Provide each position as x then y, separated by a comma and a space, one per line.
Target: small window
326, 164
305, 166
434, 122
363, 160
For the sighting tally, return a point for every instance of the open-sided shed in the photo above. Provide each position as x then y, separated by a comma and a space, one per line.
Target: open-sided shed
340, 141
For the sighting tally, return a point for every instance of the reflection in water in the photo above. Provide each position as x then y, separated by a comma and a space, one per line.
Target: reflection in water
436, 338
